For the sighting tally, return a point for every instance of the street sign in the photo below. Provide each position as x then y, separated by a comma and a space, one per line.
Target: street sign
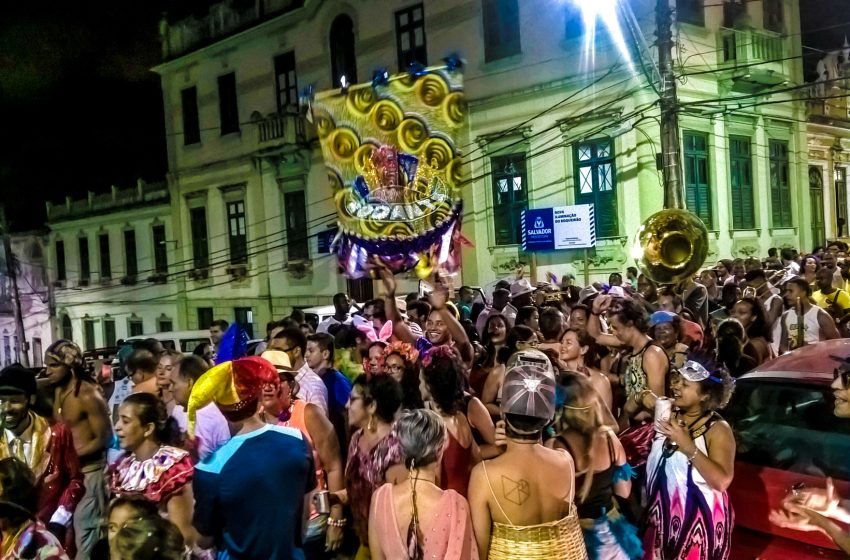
562, 227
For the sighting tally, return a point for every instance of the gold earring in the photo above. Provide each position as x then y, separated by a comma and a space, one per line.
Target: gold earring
371, 426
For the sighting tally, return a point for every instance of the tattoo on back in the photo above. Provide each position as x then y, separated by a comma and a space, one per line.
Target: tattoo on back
515, 491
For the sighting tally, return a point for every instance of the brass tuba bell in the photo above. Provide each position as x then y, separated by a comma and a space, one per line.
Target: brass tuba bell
671, 246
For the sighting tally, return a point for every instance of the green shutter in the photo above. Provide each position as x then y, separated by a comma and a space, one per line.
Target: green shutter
595, 183
697, 189
741, 177
780, 186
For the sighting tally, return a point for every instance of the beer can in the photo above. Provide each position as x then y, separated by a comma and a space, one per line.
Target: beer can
322, 500
663, 409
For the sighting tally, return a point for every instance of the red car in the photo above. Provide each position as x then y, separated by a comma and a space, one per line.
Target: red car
787, 436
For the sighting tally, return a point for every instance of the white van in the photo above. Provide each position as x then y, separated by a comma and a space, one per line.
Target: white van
182, 341
322, 312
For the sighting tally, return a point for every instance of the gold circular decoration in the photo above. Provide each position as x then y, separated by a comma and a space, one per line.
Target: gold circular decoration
344, 143
412, 133
359, 101
362, 155
431, 90
456, 173
398, 229
454, 109
436, 152
324, 126
386, 115
335, 181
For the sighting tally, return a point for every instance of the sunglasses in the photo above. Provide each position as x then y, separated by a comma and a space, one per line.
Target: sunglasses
844, 374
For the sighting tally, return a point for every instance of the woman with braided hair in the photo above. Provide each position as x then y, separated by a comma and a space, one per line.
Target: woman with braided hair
414, 518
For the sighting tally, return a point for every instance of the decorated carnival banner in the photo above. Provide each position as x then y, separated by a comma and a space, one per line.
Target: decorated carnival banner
391, 151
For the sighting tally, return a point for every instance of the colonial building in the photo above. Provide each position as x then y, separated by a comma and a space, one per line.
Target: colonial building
34, 291
829, 144
558, 114
112, 259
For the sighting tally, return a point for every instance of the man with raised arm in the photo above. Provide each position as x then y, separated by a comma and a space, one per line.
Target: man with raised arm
442, 326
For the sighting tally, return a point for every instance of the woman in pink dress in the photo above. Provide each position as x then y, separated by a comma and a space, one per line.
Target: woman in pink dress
414, 518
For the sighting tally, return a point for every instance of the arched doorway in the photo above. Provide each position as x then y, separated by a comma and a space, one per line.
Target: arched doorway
816, 196
67, 329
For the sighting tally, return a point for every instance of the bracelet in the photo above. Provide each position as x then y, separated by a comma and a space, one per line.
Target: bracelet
693, 455
638, 397
337, 522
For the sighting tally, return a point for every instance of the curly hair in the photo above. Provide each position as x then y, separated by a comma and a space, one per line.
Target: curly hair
443, 378
382, 390
629, 312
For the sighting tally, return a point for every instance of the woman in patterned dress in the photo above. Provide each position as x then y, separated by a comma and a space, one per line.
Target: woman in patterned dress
689, 469
159, 472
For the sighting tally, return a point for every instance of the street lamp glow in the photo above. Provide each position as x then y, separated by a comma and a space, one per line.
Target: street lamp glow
606, 11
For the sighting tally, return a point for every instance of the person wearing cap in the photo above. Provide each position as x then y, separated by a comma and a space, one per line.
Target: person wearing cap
293, 343
79, 404
48, 449
691, 333
273, 463
24, 535
689, 470
664, 328
507, 500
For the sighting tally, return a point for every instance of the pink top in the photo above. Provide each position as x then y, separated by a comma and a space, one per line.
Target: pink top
447, 534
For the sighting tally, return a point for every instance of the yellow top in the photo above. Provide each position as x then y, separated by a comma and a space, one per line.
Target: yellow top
839, 297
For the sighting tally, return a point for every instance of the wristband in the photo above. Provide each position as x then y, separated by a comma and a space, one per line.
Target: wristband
337, 522
693, 455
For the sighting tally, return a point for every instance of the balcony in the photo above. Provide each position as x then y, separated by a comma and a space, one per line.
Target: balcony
277, 129
756, 58
183, 33
144, 195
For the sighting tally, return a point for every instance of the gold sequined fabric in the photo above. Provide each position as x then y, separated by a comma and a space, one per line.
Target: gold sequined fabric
560, 539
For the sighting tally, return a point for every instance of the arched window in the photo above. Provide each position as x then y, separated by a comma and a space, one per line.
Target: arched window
67, 329
343, 57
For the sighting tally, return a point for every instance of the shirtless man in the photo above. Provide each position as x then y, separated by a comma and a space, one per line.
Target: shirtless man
78, 402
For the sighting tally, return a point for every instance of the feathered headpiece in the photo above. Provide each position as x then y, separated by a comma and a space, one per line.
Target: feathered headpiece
441, 351
403, 349
233, 386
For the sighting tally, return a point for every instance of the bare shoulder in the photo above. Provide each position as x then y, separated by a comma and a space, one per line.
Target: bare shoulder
720, 430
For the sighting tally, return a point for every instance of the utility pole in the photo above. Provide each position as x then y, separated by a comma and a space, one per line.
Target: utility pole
670, 156
11, 271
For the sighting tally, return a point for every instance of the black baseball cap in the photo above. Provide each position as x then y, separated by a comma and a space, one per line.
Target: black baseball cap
16, 379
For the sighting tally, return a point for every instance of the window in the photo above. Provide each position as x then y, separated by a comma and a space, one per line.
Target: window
105, 260
841, 200
343, 59
191, 124
67, 329
37, 353
88, 334
596, 183
697, 189
510, 197
205, 317
165, 325
130, 252
160, 250
7, 350
777, 423
109, 338
501, 29
732, 10
85, 264
410, 36
690, 11
17, 349
227, 108
285, 83
60, 261
236, 232
135, 327
774, 18
200, 246
297, 242
741, 176
780, 186
245, 317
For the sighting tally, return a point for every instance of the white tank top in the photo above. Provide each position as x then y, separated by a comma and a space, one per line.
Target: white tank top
811, 327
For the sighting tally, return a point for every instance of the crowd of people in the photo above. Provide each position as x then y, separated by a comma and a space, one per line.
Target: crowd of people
406, 434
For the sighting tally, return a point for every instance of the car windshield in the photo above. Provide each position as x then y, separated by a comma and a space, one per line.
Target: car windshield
789, 426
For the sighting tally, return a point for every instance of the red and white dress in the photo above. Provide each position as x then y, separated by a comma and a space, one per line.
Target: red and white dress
157, 479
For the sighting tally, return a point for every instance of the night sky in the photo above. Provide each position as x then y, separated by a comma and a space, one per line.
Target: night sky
80, 109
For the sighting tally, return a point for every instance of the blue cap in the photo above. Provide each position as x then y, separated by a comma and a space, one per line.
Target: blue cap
661, 317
